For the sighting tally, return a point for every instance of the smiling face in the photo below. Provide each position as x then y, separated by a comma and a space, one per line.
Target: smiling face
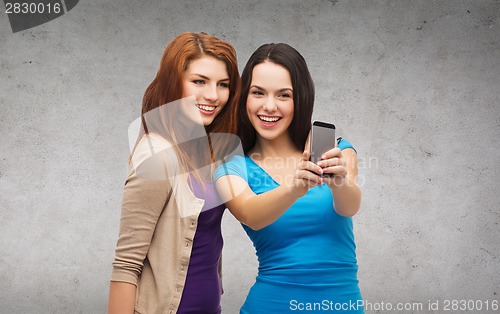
207, 80
270, 101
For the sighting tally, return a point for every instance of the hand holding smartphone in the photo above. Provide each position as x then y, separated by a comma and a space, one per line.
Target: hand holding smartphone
322, 140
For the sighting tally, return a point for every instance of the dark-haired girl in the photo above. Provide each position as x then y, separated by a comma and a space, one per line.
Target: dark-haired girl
299, 221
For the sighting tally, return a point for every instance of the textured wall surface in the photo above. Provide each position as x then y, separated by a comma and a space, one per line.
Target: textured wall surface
414, 85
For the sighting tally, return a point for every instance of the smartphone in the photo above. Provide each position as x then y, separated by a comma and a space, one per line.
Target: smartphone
322, 139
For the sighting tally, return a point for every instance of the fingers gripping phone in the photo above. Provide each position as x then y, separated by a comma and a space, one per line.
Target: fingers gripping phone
322, 139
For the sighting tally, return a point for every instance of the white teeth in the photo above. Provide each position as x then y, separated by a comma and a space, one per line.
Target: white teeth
269, 119
206, 108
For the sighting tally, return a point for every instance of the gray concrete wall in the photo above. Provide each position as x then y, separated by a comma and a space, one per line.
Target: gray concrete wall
412, 84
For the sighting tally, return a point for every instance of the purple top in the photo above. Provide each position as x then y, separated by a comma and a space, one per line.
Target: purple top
202, 290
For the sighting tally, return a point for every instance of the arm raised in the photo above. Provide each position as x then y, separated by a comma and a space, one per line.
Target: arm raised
259, 211
344, 183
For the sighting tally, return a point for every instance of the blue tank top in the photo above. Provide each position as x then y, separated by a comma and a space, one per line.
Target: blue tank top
307, 256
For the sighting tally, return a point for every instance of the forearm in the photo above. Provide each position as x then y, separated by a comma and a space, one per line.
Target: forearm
121, 298
261, 210
347, 197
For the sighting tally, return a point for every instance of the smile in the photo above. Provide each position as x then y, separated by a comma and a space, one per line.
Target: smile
269, 118
208, 108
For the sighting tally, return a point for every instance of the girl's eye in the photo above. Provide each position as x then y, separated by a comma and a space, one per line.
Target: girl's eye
257, 92
199, 82
284, 96
225, 85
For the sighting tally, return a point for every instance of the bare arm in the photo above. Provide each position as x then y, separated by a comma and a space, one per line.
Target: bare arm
345, 189
255, 211
121, 298
259, 211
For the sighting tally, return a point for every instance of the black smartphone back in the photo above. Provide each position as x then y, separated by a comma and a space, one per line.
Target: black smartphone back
322, 139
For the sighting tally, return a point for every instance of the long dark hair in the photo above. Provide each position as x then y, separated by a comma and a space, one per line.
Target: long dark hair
303, 93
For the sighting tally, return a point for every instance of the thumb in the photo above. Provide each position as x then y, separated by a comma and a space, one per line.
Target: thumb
306, 155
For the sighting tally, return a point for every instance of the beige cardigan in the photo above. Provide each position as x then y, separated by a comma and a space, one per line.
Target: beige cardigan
158, 223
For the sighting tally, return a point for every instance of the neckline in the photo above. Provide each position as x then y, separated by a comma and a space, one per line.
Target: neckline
262, 169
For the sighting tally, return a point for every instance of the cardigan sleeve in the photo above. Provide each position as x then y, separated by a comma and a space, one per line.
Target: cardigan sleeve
146, 192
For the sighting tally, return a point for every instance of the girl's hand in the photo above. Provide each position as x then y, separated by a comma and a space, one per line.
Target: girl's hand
307, 174
332, 163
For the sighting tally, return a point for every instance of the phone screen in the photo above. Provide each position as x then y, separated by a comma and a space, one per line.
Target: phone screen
322, 139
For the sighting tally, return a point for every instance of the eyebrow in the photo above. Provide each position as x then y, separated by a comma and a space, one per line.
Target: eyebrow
279, 90
206, 78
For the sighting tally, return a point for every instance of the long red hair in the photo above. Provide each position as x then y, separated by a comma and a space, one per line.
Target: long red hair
166, 87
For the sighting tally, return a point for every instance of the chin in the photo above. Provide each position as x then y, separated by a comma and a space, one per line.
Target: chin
207, 122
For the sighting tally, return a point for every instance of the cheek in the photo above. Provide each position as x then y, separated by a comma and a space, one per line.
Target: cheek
187, 90
224, 96
252, 106
249, 114
288, 109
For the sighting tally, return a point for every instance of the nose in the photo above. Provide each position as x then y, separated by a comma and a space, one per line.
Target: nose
211, 93
270, 105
